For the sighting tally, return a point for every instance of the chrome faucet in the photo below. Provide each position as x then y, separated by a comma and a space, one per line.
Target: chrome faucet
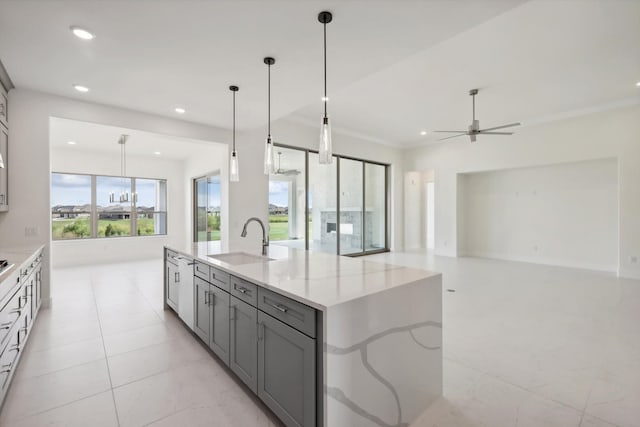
265, 238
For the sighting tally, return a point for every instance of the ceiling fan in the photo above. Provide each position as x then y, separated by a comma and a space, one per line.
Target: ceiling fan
474, 128
280, 171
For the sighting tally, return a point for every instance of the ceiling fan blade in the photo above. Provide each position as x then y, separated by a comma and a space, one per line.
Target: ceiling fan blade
495, 133
453, 136
451, 131
501, 127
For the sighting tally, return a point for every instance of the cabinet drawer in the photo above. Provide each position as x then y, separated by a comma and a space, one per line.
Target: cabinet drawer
293, 313
201, 270
8, 359
10, 314
172, 257
219, 278
246, 291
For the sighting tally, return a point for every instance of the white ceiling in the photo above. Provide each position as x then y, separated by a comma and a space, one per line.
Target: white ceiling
395, 67
99, 138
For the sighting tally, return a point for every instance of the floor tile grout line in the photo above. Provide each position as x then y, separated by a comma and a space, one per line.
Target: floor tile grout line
163, 371
104, 348
33, 414
496, 378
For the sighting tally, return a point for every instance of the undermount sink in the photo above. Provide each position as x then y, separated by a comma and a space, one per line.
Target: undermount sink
239, 258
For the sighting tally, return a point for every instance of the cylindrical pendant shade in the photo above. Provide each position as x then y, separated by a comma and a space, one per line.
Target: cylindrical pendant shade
326, 150
234, 172
269, 157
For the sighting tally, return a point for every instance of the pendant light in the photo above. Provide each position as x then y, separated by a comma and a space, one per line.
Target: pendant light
325, 150
1, 162
234, 172
124, 194
269, 158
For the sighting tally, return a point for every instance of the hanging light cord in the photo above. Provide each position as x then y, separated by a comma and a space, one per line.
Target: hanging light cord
269, 101
324, 25
234, 121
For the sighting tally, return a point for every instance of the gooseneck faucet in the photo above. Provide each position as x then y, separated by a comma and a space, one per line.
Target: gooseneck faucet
265, 238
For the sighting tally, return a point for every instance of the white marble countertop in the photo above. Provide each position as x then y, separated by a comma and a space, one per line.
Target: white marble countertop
317, 279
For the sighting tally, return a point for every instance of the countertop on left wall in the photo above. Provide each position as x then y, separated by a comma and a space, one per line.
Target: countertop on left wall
16, 257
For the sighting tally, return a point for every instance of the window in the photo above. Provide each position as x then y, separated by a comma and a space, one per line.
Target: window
345, 203
81, 206
206, 208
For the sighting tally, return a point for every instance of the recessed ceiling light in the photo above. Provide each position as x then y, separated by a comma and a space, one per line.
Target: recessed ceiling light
638, 84
180, 110
157, 153
81, 33
71, 142
423, 133
81, 88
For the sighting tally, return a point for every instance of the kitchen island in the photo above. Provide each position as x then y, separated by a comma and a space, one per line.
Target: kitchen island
322, 339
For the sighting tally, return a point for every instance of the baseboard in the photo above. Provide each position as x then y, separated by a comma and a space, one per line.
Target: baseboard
544, 261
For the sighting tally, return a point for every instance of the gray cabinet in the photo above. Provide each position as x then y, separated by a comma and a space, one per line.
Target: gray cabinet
219, 327
243, 351
201, 314
286, 371
4, 172
173, 283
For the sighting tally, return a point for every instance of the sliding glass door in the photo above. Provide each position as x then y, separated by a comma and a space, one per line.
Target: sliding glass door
351, 207
345, 203
206, 208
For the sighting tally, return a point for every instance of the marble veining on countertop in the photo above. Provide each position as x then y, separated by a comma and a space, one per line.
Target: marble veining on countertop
317, 279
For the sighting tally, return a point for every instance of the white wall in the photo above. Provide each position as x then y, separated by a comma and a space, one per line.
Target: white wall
29, 168
608, 134
91, 251
198, 165
565, 214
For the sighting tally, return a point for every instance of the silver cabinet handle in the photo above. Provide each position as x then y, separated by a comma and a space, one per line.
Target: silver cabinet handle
232, 312
278, 307
212, 298
16, 310
242, 290
6, 325
177, 277
260, 331
206, 295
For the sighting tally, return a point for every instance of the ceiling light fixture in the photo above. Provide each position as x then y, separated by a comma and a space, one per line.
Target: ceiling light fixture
325, 151
71, 142
81, 88
180, 110
124, 194
234, 171
269, 158
82, 33
423, 133
638, 84
157, 153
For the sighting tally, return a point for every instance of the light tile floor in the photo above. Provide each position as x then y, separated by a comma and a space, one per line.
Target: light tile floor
107, 354
524, 345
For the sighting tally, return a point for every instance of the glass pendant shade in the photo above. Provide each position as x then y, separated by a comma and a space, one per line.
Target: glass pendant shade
234, 172
326, 151
269, 157
1, 162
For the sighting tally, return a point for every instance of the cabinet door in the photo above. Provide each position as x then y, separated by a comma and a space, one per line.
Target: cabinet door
219, 329
201, 322
243, 351
38, 288
4, 185
286, 371
173, 283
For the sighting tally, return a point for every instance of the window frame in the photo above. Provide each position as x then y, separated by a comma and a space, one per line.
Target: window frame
387, 196
133, 212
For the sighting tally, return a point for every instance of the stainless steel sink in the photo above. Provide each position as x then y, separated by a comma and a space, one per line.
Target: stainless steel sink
239, 258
